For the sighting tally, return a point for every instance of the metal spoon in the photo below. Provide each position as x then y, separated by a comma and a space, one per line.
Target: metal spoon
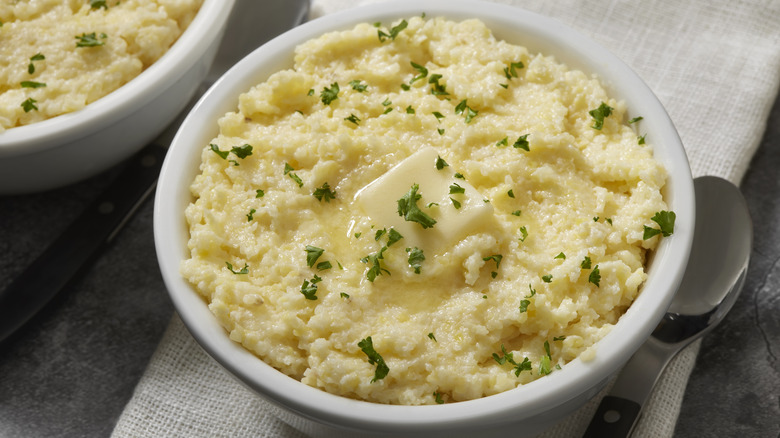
713, 279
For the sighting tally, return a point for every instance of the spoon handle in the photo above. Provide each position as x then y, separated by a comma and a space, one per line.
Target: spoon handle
619, 411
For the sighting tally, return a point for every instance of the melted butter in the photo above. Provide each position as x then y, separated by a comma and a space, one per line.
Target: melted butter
379, 200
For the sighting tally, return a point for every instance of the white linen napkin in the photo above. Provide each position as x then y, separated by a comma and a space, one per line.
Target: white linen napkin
715, 66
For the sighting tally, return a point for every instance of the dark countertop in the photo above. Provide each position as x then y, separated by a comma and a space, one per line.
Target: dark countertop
70, 371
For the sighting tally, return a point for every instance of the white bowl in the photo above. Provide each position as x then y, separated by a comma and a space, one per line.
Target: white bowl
524, 411
74, 146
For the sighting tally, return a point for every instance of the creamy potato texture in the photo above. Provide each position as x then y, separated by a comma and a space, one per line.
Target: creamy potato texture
536, 247
57, 56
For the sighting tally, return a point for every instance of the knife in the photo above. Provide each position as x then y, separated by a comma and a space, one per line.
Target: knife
104, 218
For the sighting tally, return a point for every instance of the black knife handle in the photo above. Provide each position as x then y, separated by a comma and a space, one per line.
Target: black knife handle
73, 249
615, 417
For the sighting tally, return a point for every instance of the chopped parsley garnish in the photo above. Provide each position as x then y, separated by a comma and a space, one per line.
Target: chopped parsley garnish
374, 358
311, 92
324, 193
464, 108
438, 115
585, 263
523, 231
455, 203
309, 290
328, 95
510, 193
416, 257
222, 154
522, 143
599, 114
251, 215
405, 87
641, 139
547, 278
545, 364
561, 256
421, 69
517, 213
665, 221
90, 40
393, 236
409, 110
595, 276
375, 268
387, 102
440, 131
459, 175
431, 336
357, 86
408, 209
511, 71
437, 89
353, 118
288, 170
496, 258
380, 233
437, 398
31, 66
559, 338
321, 266
244, 270
260, 193
344, 295
97, 4
455, 188
635, 119
312, 254
524, 305
242, 151
503, 142
394, 31
440, 163
239, 151
32, 84
29, 105
525, 365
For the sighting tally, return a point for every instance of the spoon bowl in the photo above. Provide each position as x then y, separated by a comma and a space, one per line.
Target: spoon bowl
716, 272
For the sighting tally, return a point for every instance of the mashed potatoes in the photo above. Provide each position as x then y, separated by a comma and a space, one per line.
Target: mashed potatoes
57, 56
419, 213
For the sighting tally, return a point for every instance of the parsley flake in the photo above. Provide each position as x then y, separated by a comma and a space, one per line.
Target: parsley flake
440, 163
464, 108
503, 142
421, 69
437, 397
288, 170
357, 86
408, 209
665, 221
547, 278
32, 84
522, 143
455, 203
324, 192
321, 266
29, 105
455, 188
251, 215
416, 257
353, 118
586, 263
244, 270
259, 193
561, 256
511, 71
312, 254
496, 258
394, 31
37, 57
635, 119
90, 40
328, 95
374, 358
437, 89
432, 337
309, 290
599, 114
595, 276
523, 231
510, 193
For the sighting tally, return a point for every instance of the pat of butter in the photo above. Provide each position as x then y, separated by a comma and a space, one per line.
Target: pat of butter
379, 200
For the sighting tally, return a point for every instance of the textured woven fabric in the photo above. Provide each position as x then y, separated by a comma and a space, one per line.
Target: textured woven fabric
715, 66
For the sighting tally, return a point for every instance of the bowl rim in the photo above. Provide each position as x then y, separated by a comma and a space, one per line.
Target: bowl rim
113, 107
526, 401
